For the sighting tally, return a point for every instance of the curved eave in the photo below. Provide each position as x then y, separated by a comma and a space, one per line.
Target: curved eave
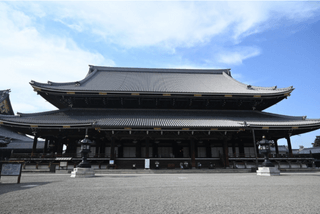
286, 127
44, 126
285, 92
238, 126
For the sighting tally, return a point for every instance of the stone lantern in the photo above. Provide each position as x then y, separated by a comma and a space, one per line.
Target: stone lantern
267, 169
86, 144
84, 170
264, 148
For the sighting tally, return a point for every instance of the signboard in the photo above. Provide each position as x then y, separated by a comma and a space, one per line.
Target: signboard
147, 163
9, 169
12, 169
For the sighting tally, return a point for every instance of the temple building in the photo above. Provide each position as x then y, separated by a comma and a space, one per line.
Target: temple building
165, 115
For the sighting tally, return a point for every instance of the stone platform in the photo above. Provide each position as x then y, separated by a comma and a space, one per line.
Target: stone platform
82, 173
268, 171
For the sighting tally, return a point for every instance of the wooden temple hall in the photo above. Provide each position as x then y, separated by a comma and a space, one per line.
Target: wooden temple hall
166, 115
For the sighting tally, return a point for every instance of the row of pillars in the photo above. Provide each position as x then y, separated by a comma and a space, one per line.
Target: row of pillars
192, 149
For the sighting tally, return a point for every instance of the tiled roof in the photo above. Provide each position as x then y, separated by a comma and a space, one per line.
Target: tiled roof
4, 132
18, 144
142, 118
146, 80
307, 151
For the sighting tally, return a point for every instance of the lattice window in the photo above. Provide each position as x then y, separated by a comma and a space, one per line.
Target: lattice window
129, 152
143, 152
165, 152
215, 151
186, 152
202, 152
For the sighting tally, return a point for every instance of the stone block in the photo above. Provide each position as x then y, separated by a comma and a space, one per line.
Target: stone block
82, 173
268, 171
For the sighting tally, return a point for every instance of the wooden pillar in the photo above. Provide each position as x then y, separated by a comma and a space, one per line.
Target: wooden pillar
241, 148
34, 146
120, 150
289, 146
192, 154
45, 147
138, 149
276, 146
233, 149
155, 150
102, 149
225, 152
256, 150
208, 150
59, 146
112, 156
147, 147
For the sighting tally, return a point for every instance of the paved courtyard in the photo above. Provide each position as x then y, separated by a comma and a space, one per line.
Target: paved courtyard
161, 193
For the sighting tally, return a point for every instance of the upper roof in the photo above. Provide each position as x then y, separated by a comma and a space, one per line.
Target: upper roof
157, 81
138, 118
5, 104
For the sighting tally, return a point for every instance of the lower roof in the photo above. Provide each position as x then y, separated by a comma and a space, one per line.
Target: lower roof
6, 133
138, 118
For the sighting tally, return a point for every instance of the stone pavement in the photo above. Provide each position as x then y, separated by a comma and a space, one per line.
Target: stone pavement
161, 193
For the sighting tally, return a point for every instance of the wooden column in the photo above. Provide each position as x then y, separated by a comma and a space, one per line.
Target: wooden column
276, 146
147, 147
241, 148
256, 151
45, 147
59, 146
208, 150
34, 146
102, 149
120, 150
289, 146
138, 149
233, 148
225, 152
112, 156
192, 154
155, 150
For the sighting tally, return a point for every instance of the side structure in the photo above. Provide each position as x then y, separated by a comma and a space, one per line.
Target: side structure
19, 143
5, 104
166, 115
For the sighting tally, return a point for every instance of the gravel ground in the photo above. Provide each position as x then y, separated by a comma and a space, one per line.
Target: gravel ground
161, 193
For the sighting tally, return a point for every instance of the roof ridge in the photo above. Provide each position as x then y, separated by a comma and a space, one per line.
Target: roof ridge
162, 70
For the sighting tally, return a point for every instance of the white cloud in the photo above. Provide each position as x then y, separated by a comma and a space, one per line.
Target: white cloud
237, 56
25, 54
177, 24
172, 25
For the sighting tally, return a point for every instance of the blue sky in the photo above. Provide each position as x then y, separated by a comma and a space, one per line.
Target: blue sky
264, 44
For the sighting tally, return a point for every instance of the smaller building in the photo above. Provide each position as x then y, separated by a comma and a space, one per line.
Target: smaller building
19, 143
